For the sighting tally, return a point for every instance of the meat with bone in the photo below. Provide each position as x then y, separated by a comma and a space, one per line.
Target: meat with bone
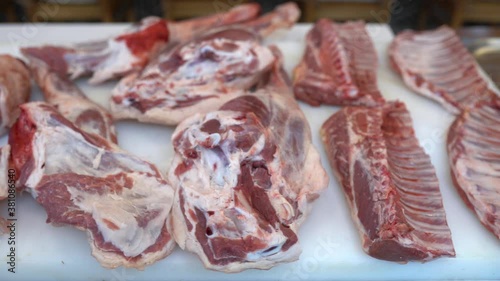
87, 182
245, 176
389, 183
474, 156
130, 51
68, 99
200, 75
436, 65
339, 66
15, 89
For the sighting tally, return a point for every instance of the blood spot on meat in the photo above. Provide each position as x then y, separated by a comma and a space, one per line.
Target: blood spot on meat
140, 43
110, 224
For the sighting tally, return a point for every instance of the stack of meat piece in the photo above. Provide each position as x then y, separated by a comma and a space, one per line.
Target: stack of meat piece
436, 64
244, 173
388, 179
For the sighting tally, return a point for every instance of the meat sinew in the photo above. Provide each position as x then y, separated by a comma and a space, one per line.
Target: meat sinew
436, 65
68, 99
87, 182
201, 75
474, 156
15, 89
244, 177
389, 183
339, 66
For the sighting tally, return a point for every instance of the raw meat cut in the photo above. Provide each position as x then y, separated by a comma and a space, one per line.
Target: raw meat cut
474, 156
339, 66
389, 183
85, 181
200, 75
244, 177
68, 99
193, 78
130, 51
436, 65
15, 89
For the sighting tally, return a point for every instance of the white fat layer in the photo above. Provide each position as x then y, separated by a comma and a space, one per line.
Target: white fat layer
119, 60
123, 210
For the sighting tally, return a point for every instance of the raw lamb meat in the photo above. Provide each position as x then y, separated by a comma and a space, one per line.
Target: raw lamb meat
130, 51
244, 177
15, 89
339, 66
68, 99
474, 156
436, 65
87, 182
389, 183
200, 75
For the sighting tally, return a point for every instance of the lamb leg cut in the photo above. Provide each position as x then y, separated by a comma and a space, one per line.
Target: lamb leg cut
85, 181
245, 176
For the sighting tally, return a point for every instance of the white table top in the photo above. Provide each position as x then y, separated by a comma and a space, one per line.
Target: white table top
331, 245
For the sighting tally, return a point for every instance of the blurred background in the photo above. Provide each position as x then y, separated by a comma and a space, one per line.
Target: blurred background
401, 14
476, 21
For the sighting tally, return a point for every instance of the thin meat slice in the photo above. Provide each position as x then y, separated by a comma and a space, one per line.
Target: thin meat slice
69, 100
202, 74
87, 182
339, 66
474, 157
245, 176
389, 183
15, 89
131, 50
436, 65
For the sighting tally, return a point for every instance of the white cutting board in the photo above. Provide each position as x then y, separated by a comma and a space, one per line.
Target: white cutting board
331, 245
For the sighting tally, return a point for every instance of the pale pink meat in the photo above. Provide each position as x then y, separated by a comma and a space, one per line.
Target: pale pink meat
339, 66
130, 51
200, 75
437, 65
474, 157
87, 182
68, 99
389, 182
245, 176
